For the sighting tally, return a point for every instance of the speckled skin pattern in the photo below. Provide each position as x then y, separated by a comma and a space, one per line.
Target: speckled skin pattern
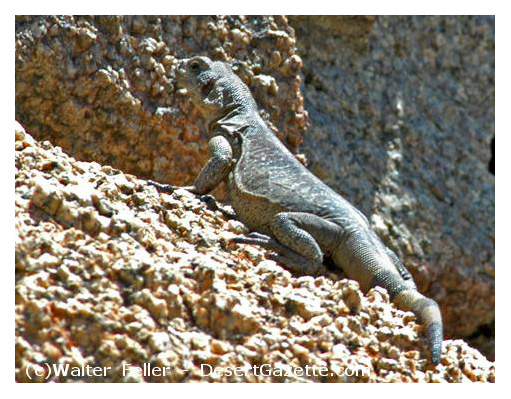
289, 209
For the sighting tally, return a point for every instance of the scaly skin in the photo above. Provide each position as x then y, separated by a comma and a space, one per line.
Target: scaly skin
288, 209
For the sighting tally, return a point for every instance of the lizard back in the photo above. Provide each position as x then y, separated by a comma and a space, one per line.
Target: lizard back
282, 184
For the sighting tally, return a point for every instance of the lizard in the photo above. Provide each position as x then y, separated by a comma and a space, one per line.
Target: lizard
286, 207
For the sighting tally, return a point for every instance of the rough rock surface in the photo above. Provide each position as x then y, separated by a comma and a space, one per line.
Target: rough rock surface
402, 119
101, 86
109, 273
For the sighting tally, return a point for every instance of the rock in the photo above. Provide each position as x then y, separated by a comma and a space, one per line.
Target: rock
107, 266
105, 90
398, 127
119, 298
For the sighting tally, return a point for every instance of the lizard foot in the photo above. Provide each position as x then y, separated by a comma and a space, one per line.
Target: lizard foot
166, 188
169, 188
212, 204
299, 264
262, 240
291, 259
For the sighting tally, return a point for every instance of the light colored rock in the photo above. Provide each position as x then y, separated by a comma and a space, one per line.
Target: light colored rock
115, 272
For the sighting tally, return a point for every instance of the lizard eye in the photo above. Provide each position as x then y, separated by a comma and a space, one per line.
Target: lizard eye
195, 66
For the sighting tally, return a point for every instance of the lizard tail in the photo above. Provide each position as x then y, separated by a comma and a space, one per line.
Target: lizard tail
428, 313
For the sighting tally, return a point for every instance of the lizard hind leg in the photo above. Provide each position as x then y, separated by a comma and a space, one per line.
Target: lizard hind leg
291, 259
301, 238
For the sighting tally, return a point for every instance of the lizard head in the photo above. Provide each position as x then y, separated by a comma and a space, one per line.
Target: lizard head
212, 86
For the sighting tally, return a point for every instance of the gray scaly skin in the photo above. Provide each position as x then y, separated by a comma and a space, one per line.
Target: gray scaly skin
288, 209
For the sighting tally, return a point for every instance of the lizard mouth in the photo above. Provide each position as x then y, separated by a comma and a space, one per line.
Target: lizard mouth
207, 87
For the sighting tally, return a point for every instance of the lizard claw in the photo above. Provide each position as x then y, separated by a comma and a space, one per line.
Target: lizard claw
170, 188
166, 188
212, 204
258, 239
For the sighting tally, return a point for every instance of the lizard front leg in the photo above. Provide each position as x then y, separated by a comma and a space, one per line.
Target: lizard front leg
301, 238
212, 174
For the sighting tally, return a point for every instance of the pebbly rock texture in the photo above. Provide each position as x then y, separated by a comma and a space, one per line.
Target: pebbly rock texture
402, 121
111, 276
102, 87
